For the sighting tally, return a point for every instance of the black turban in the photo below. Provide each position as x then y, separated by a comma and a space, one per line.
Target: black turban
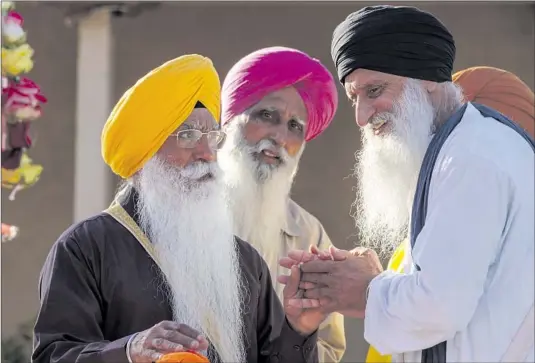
399, 40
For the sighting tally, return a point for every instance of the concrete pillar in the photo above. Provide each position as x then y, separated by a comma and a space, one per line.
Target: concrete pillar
94, 85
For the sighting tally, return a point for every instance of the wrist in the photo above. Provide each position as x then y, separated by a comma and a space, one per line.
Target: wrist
128, 344
300, 329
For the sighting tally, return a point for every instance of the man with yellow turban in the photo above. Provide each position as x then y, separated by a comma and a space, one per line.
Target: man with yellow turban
160, 271
492, 87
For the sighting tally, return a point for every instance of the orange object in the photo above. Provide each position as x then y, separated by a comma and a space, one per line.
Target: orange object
500, 90
183, 357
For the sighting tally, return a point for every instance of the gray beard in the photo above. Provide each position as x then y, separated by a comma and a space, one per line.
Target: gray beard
258, 192
191, 229
387, 168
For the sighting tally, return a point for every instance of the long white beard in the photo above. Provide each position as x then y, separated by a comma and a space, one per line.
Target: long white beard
387, 168
258, 192
191, 228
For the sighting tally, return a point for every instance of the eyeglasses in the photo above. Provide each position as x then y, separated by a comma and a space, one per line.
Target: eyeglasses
189, 139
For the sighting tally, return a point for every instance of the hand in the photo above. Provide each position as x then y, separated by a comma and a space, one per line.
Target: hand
340, 284
296, 257
303, 320
165, 337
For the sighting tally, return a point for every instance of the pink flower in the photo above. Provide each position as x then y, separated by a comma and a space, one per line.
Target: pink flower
23, 99
12, 28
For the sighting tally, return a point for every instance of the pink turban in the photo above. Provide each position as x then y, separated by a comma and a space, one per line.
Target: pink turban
270, 69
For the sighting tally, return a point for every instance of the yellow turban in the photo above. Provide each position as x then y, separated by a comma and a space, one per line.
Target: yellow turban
156, 106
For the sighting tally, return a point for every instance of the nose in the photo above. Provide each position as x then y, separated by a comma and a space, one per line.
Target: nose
363, 112
203, 151
280, 134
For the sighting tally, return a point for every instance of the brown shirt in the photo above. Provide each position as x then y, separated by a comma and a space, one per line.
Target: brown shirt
301, 231
99, 286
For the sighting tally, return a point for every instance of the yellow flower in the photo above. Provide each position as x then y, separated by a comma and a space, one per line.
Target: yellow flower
17, 60
25, 175
7, 5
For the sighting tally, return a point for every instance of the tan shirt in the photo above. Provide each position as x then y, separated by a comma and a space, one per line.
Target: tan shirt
302, 230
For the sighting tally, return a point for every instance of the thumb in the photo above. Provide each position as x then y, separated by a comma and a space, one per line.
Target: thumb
339, 255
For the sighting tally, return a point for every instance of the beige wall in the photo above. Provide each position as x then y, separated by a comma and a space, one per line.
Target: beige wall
495, 34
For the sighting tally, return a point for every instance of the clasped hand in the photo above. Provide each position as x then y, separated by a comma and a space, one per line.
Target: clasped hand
333, 280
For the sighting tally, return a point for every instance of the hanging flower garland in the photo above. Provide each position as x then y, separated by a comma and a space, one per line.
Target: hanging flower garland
21, 105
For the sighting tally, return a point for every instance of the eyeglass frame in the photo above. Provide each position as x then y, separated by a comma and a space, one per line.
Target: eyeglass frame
200, 135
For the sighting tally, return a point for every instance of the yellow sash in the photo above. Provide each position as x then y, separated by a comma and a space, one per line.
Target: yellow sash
121, 215
395, 264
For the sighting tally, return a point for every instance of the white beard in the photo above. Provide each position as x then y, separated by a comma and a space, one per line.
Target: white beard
258, 192
191, 228
387, 168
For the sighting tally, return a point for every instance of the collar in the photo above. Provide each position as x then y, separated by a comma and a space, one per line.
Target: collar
293, 217
129, 202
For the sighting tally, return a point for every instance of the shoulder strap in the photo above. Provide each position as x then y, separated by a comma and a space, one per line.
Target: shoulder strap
523, 341
120, 215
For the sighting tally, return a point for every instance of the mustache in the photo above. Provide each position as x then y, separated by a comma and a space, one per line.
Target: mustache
266, 144
200, 169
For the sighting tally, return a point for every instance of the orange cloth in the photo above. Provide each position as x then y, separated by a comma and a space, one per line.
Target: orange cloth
183, 357
500, 90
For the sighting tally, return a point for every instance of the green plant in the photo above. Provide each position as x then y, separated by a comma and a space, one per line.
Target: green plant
17, 348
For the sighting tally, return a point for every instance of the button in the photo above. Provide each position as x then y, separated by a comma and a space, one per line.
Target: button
297, 347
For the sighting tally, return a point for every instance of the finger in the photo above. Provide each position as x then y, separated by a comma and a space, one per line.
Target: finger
318, 278
304, 303
318, 266
304, 285
301, 256
190, 332
358, 251
314, 250
322, 255
177, 337
283, 279
166, 346
200, 341
287, 262
339, 255
318, 293
290, 290
152, 354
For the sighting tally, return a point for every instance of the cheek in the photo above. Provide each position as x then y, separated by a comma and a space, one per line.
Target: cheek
254, 132
174, 155
384, 104
293, 145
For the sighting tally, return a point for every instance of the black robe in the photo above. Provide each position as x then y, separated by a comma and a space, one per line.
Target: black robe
99, 286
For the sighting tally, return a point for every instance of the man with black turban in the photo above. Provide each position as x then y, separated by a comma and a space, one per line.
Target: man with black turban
459, 177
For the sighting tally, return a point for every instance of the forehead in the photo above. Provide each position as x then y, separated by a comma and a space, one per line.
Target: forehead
201, 119
364, 77
285, 100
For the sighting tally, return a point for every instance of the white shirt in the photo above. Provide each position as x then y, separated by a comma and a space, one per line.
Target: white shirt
476, 253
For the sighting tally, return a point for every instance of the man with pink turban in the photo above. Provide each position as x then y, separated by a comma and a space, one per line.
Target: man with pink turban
273, 101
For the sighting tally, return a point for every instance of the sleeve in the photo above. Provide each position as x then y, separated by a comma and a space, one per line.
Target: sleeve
277, 341
72, 335
331, 333
467, 213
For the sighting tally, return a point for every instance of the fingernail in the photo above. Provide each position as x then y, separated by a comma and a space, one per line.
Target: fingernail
194, 344
200, 337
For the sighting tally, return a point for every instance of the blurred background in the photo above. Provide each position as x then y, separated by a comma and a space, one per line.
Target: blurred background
86, 54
